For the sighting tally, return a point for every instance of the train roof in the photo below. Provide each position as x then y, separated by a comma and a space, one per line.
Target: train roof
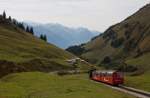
106, 71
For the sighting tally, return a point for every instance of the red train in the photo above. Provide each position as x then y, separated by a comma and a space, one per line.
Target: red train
109, 77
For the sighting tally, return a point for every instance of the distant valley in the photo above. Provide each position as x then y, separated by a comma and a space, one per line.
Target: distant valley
63, 36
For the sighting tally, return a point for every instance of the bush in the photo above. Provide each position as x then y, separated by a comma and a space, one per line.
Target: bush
127, 68
109, 34
126, 25
62, 73
130, 44
127, 34
117, 42
77, 50
106, 60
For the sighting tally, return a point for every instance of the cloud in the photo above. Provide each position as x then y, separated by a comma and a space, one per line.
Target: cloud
95, 14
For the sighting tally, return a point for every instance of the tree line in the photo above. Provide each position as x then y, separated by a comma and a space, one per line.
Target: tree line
43, 37
21, 25
18, 24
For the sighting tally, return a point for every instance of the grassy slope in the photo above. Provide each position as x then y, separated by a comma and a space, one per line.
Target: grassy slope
137, 27
16, 45
20, 51
140, 81
34, 85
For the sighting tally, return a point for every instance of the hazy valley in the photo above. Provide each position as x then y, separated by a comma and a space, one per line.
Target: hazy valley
63, 36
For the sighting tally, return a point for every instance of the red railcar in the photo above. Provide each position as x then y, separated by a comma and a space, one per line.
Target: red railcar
109, 77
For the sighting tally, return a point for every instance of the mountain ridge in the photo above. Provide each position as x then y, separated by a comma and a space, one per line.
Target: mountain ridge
120, 42
68, 35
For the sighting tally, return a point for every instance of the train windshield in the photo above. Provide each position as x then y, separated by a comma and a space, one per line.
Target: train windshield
120, 74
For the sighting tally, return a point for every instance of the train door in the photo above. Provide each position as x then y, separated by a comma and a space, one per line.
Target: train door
118, 78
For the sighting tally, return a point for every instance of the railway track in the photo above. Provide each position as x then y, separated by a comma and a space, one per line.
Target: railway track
132, 91
141, 92
129, 90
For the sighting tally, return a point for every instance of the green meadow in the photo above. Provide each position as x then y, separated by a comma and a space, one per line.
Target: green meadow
46, 85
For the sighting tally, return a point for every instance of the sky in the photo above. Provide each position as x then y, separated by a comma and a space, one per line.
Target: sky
93, 14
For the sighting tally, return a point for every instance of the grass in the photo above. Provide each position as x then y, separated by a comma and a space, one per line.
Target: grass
28, 48
15, 43
42, 85
29, 52
141, 81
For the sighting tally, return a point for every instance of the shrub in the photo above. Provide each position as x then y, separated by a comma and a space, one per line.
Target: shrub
127, 34
109, 34
77, 50
117, 42
106, 60
126, 25
130, 44
127, 68
62, 73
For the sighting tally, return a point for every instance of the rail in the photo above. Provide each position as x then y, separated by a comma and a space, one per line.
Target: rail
129, 90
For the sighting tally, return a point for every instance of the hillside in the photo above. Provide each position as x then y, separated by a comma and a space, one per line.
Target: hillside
36, 84
68, 36
142, 80
125, 47
21, 51
125, 40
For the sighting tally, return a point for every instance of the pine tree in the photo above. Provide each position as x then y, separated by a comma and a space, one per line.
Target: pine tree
27, 29
14, 21
21, 26
43, 37
4, 15
9, 18
31, 31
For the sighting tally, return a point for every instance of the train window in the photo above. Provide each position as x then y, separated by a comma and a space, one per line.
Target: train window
99, 74
102, 74
109, 74
96, 74
105, 74
93, 73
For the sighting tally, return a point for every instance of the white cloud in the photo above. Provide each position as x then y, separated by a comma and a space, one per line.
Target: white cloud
95, 14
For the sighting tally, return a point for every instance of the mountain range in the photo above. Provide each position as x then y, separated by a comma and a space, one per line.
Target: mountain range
61, 35
125, 43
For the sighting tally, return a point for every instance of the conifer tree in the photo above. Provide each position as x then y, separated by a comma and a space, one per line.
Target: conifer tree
31, 31
14, 21
4, 15
43, 37
27, 29
21, 26
9, 18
